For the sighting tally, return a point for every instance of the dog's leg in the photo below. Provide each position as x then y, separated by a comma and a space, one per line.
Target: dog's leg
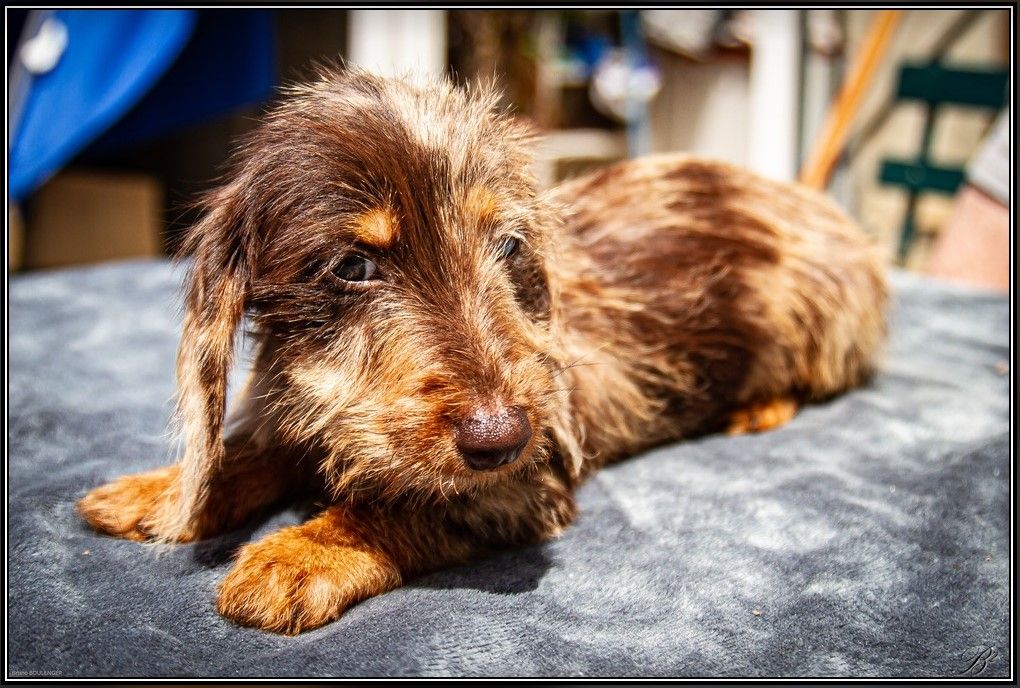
253, 474
247, 482
305, 576
763, 416
120, 507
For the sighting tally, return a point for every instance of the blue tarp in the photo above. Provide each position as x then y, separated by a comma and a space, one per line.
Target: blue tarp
129, 75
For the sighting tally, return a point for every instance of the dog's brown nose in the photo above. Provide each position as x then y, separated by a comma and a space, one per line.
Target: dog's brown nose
493, 436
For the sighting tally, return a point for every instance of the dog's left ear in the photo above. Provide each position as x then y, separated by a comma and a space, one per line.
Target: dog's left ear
216, 293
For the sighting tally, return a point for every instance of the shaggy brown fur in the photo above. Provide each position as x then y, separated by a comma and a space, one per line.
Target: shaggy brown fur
657, 299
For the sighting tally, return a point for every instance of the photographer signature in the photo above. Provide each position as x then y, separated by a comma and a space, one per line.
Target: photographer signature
977, 661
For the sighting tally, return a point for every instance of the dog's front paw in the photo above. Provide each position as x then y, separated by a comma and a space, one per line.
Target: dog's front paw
300, 578
129, 507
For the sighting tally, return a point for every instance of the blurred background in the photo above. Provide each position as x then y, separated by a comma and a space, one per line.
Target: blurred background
118, 118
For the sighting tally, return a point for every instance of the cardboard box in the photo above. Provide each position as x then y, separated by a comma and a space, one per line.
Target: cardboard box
89, 217
15, 238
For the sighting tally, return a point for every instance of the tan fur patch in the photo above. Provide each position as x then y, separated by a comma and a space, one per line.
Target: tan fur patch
481, 202
376, 227
762, 417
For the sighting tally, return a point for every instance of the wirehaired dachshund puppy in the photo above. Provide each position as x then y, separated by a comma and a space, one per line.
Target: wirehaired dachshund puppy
445, 352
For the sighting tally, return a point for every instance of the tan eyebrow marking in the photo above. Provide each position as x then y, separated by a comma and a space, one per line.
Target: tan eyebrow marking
481, 202
377, 227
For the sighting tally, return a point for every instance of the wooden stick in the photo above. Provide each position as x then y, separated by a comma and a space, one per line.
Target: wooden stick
832, 139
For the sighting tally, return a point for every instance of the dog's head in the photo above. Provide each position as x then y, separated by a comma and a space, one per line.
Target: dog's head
389, 240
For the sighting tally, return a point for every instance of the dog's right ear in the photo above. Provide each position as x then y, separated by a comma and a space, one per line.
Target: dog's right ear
216, 293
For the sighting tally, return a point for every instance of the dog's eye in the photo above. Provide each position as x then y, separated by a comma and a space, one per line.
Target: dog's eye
507, 247
356, 268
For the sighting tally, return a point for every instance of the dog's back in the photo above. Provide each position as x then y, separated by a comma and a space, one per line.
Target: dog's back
692, 290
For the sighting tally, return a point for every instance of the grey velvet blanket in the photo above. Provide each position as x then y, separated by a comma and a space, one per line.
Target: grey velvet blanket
869, 537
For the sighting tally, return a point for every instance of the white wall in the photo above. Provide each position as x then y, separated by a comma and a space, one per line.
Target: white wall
395, 42
702, 108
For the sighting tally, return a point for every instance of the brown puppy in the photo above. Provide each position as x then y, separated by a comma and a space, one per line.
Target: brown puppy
447, 352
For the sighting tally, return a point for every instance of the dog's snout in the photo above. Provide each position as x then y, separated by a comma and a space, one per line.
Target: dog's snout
491, 437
